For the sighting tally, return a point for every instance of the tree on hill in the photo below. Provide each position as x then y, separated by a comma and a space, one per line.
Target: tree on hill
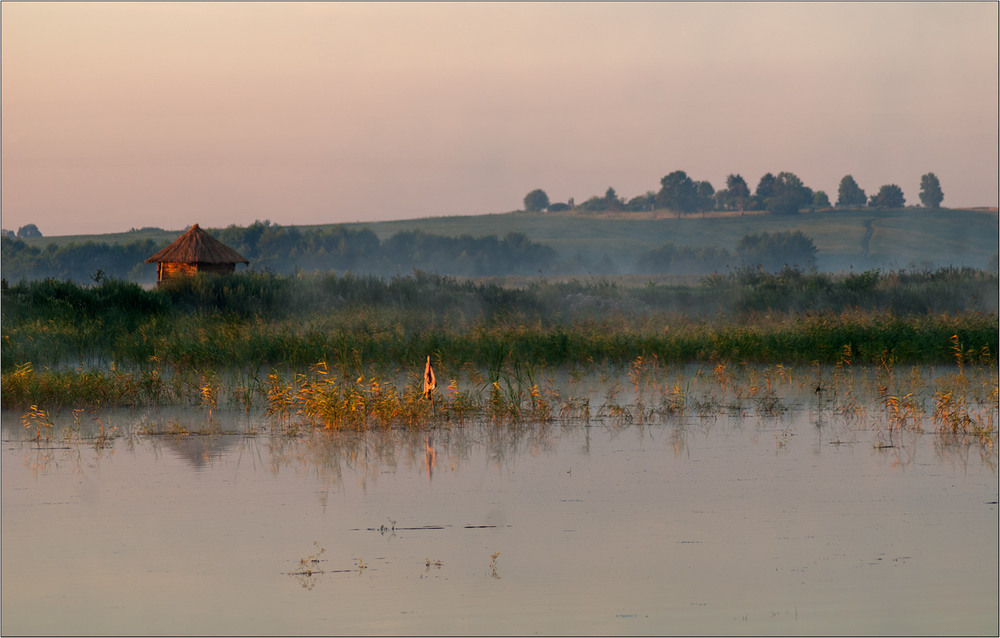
849, 194
889, 196
678, 192
611, 200
645, 202
29, 230
788, 194
820, 200
536, 201
931, 194
594, 204
738, 191
765, 187
706, 196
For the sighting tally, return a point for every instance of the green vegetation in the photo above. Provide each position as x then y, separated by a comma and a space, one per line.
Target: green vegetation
573, 242
931, 194
781, 194
328, 351
288, 250
252, 322
584, 242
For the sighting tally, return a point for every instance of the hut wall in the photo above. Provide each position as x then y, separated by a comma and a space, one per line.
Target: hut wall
167, 270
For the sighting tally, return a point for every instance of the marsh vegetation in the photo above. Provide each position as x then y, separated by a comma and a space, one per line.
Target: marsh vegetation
714, 452
347, 351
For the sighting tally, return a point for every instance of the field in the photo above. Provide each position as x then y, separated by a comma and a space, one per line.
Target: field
902, 239
909, 238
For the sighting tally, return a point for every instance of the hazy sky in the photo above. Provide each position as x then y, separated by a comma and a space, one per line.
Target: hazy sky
120, 115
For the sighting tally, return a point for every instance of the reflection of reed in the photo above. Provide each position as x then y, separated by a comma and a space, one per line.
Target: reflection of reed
430, 457
200, 450
843, 403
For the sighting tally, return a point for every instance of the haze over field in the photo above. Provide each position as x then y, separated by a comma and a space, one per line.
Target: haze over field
120, 115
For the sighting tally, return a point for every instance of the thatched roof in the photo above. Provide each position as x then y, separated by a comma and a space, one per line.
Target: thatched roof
197, 246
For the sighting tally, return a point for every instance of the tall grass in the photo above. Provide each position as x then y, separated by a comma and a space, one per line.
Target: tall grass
251, 321
959, 402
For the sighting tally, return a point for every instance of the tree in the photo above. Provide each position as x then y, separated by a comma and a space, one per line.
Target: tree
595, 204
788, 194
678, 192
706, 196
889, 196
611, 200
772, 252
931, 194
29, 230
849, 194
765, 187
738, 190
536, 201
820, 200
645, 202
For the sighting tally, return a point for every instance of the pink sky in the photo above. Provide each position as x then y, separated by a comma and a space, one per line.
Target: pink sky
120, 115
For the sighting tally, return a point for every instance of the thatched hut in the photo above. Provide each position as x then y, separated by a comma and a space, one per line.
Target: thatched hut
195, 251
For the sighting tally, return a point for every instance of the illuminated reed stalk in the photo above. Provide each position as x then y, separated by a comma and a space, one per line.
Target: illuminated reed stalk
37, 419
210, 388
430, 383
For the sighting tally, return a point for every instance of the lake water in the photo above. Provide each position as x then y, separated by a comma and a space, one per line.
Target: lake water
727, 524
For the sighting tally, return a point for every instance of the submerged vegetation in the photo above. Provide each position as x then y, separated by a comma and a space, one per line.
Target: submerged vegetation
332, 351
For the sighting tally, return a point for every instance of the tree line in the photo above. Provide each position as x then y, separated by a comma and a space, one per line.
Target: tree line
288, 250
781, 194
770, 252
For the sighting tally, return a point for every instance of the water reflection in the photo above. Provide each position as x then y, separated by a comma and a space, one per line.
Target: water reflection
201, 450
366, 455
743, 521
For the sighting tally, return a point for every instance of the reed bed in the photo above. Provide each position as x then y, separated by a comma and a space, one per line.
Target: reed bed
253, 320
330, 351
959, 402
391, 338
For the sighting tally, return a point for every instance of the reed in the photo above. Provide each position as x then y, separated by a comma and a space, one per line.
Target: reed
37, 420
258, 321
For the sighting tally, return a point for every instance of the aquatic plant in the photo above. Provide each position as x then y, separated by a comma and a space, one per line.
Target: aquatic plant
255, 321
37, 420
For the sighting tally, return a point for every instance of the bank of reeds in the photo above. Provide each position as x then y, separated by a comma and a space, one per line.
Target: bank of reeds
335, 399
959, 402
389, 337
253, 321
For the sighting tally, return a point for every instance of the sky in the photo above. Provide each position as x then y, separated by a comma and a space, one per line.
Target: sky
123, 115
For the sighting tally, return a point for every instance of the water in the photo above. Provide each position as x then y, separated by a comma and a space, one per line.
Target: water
723, 525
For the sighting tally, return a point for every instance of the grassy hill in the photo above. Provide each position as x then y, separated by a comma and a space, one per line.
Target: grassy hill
846, 239
897, 238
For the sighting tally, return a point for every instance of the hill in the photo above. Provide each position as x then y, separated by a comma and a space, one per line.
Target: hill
610, 243
845, 239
